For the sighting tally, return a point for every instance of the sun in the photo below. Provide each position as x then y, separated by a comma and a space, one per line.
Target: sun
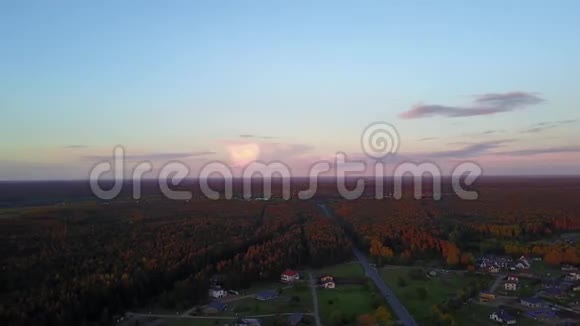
243, 154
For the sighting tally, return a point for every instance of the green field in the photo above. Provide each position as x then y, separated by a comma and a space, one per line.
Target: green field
437, 289
527, 288
296, 299
348, 301
540, 267
345, 303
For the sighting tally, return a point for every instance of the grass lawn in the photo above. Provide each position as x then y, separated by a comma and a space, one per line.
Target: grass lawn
348, 301
438, 289
474, 314
540, 267
527, 288
296, 299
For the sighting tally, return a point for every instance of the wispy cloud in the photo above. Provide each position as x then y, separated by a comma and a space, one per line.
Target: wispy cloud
471, 150
75, 146
542, 126
486, 133
539, 151
427, 138
491, 132
485, 104
257, 136
153, 156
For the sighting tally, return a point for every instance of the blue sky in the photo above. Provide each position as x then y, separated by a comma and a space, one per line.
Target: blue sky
79, 77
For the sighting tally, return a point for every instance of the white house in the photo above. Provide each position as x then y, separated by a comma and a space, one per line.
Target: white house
573, 276
510, 286
522, 263
217, 292
502, 317
568, 267
329, 285
493, 269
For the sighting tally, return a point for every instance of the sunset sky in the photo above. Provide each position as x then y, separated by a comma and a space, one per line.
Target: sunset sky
495, 82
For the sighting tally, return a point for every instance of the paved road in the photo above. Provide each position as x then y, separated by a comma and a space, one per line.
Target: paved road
398, 308
314, 299
496, 283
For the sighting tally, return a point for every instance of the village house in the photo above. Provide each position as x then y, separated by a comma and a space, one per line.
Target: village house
493, 269
532, 302
568, 268
513, 279
486, 297
510, 286
522, 265
502, 262
329, 285
573, 276
503, 317
496, 261
248, 322
217, 292
327, 282
290, 276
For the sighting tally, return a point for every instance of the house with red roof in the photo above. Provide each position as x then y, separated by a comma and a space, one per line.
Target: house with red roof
289, 276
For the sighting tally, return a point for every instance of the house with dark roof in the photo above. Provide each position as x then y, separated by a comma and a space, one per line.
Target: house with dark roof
532, 302
501, 316
248, 322
555, 292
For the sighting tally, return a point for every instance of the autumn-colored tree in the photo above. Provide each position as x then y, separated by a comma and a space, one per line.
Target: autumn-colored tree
383, 316
366, 320
553, 257
467, 259
452, 257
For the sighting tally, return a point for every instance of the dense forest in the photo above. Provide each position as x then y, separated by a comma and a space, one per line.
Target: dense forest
85, 263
